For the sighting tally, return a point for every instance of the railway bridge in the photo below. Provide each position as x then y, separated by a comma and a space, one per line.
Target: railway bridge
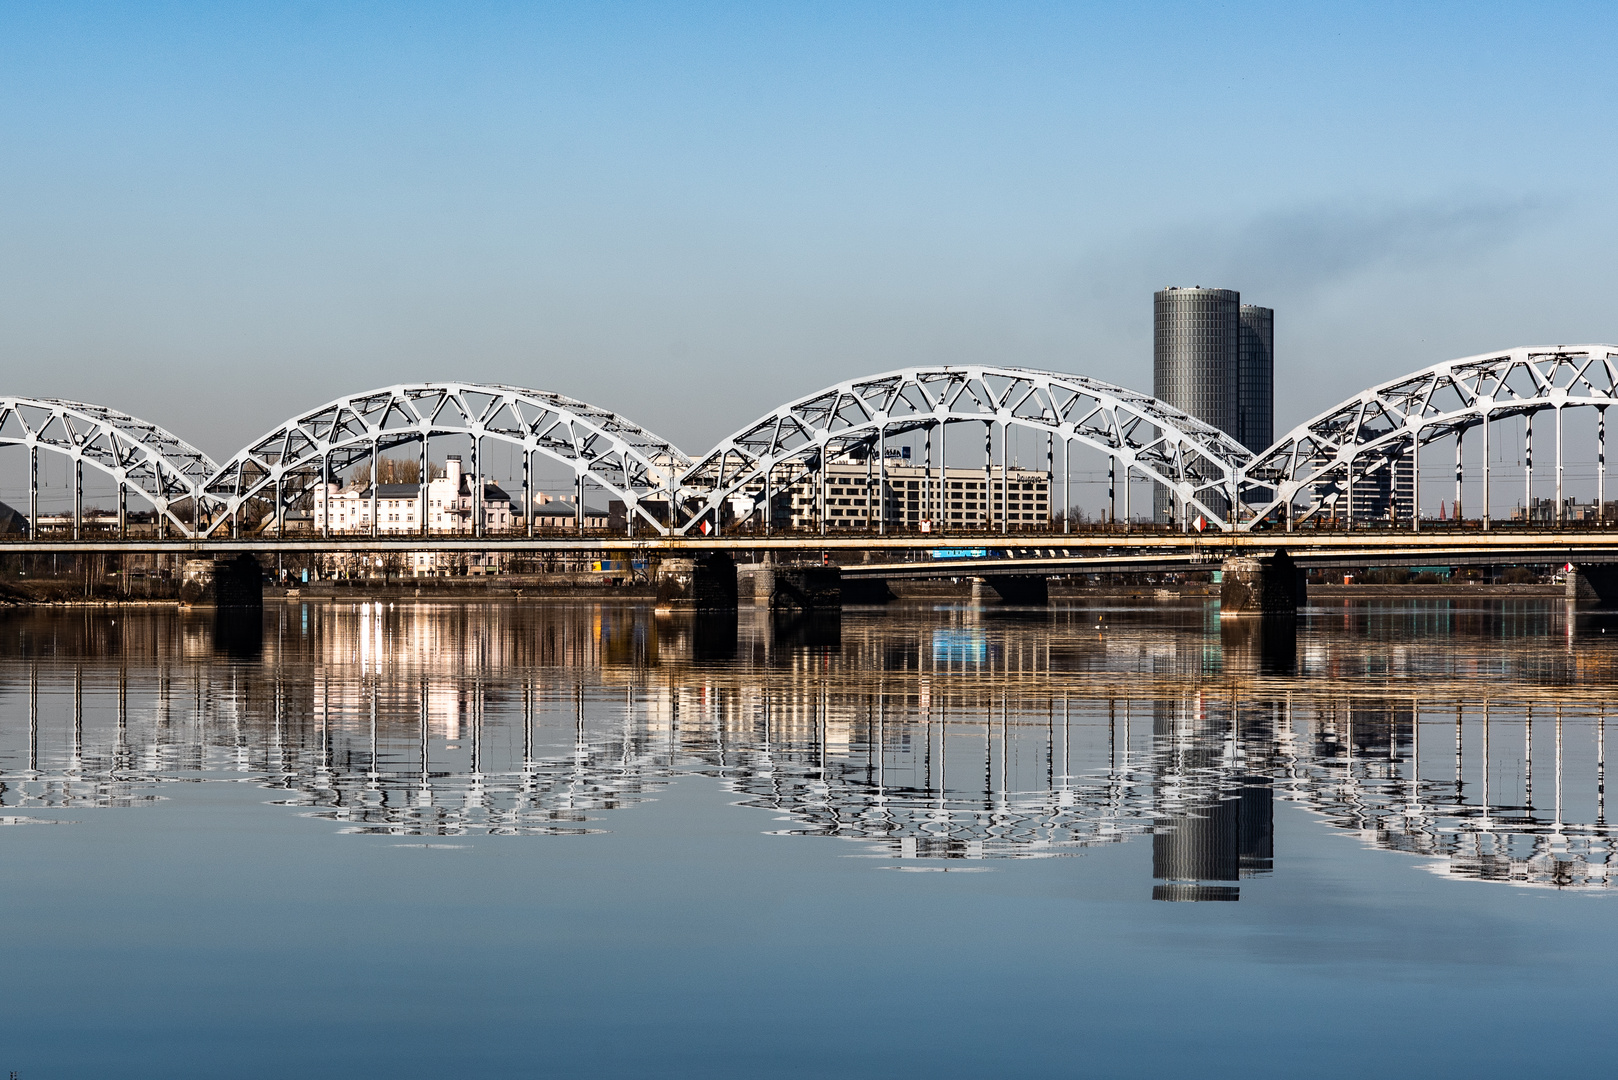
1306, 492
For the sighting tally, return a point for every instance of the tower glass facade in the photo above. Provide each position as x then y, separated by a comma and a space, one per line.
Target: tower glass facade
1196, 343
1255, 379
1196, 346
1214, 357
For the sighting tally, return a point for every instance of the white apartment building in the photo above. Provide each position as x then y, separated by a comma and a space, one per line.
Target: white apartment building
971, 498
452, 500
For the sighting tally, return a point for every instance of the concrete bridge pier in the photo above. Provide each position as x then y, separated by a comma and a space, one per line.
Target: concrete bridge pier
1595, 585
715, 627
762, 577
713, 582
1269, 587
237, 584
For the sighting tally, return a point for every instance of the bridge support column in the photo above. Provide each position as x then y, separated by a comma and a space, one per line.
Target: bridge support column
1112, 491
987, 503
763, 578
528, 490
1348, 484
1005, 477
1486, 510
881, 481
1129, 512
1528, 468
1270, 586
376, 481
1601, 465
1455, 511
423, 469
1559, 518
1050, 476
1415, 481
713, 582
820, 487
1595, 585
225, 583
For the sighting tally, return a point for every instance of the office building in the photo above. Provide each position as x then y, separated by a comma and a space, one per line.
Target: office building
1255, 378
1385, 494
855, 495
1214, 358
1196, 345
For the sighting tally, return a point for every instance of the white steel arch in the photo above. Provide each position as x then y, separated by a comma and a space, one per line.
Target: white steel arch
1197, 463
1321, 459
268, 476
139, 456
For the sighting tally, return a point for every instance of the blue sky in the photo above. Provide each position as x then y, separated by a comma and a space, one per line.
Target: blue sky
216, 215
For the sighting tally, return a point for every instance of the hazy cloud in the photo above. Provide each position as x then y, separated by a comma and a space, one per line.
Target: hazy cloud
1287, 255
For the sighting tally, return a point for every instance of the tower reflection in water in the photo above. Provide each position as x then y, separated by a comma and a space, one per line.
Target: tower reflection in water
929, 738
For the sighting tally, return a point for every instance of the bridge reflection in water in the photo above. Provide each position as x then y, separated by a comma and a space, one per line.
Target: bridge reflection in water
1472, 737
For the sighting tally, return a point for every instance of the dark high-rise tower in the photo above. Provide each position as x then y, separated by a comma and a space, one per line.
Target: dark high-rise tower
1196, 346
1214, 357
1255, 379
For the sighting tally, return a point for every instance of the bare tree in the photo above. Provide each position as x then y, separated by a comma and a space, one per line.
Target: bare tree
393, 471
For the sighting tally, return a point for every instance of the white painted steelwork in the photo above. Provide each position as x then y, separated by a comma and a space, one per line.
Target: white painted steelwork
254, 488
1321, 459
1308, 472
1199, 464
139, 456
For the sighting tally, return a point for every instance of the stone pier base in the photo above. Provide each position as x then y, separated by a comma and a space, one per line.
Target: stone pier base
1595, 585
713, 582
225, 583
1270, 586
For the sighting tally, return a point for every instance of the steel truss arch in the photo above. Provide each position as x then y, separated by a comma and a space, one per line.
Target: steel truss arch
139, 456
278, 469
1197, 463
1371, 432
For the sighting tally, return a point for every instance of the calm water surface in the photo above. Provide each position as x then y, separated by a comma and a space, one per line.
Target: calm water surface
447, 841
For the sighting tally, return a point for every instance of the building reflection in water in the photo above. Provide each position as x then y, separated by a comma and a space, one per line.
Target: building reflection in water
950, 736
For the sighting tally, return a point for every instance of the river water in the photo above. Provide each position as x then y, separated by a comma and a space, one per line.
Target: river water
424, 840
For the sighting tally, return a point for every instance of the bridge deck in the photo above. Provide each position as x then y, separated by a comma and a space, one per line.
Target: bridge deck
1026, 553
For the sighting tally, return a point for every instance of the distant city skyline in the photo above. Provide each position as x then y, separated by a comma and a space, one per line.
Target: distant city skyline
686, 212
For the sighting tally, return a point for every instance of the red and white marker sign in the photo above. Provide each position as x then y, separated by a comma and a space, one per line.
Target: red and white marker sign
706, 528
1200, 523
